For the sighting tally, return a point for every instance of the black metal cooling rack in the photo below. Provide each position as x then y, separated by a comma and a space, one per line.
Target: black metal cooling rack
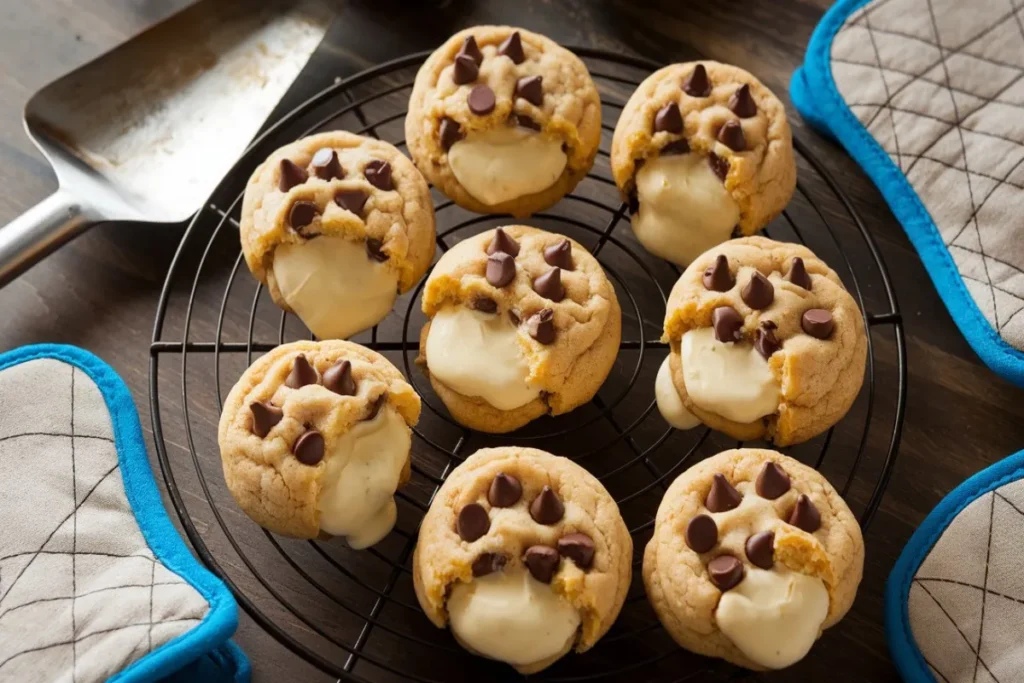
354, 614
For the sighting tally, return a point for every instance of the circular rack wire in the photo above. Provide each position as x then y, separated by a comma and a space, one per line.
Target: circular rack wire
354, 614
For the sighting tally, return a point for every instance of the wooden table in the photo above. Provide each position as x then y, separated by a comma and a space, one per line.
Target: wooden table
100, 292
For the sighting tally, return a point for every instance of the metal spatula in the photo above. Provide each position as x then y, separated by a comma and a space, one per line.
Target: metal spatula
146, 131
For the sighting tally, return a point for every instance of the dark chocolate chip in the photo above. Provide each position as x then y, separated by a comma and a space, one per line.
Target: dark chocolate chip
351, 200
731, 135
473, 522
503, 243
484, 304
668, 119
471, 49
514, 318
302, 214
725, 571
378, 172
376, 406
761, 549
309, 448
559, 255
501, 269
375, 250
512, 47
542, 562
697, 84
546, 508
701, 533
680, 146
450, 132
717, 277
719, 166
264, 416
742, 103
505, 491
723, 496
481, 100
465, 70
818, 323
291, 175
549, 285
758, 293
541, 326
805, 515
326, 166
727, 323
765, 340
579, 548
524, 121
302, 373
488, 563
798, 273
338, 378
772, 482
529, 88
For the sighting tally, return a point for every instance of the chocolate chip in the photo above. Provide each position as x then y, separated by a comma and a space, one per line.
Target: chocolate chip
668, 119
484, 304
473, 522
505, 491
264, 416
697, 83
503, 243
376, 406
541, 326
727, 323
378, 172
725, 572
805, 515
765, 340
742, 103
719, 166
512, 47
501, 269
309, 448
680, 146
302, 214
375, 250
302, 373
772, 482
559, 255
291, 175
465, 70
524, 121
549, 285
731, 135
481, 100
542, 562
351, 200
547, 508
723, 496
338, 378
717, 277
761, 549
326, 166
450, 132
488, 563
529, 88
471, 49
513, 317
579, 548
818, 323
758, 293
798, 273
701, 533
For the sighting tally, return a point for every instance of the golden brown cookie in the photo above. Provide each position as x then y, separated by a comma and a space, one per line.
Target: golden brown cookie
335, 225
753, 555
315, 438
523, 323
503, 120
524, 555
766, 343
700, 150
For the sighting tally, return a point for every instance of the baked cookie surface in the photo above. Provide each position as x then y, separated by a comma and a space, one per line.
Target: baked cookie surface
753, 555
315, 439
524, 555
503, 120
702, 149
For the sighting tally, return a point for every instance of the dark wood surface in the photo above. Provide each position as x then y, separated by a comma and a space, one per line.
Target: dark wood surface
100, 292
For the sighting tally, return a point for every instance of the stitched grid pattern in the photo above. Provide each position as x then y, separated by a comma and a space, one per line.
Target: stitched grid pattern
939, 84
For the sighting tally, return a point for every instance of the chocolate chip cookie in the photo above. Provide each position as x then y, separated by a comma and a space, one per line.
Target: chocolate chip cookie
701, 150
335, 225
523, 323
315, 439
766, 343
503, 120
753, 555
524, 555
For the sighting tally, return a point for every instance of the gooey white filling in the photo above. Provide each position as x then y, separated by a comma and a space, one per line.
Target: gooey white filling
730, 379
506, 163
669, 404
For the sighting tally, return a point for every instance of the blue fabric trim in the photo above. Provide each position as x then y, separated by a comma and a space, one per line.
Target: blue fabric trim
221, 621
817, 98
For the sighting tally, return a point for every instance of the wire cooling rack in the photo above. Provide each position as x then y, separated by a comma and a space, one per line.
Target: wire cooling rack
354, 614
